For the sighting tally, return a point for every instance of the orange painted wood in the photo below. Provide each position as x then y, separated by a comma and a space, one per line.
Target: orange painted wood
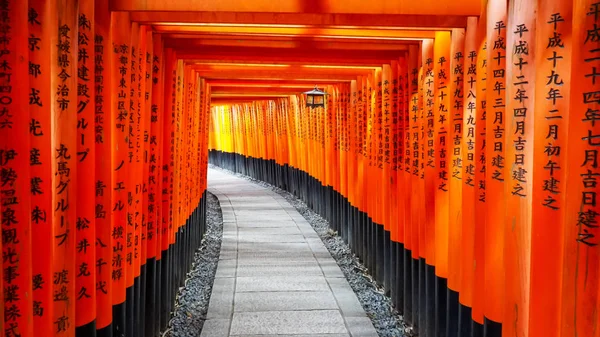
427, 233
65, 168
385, 148
146, 108
469, 7
455, 158
155, 181
154, 160
519, 124
419, 229
495, 160
103, 103
412, 154
481, 167
548, 195
178, 151
319, 19
395, 147
85, 260
133, 159
208, 40
120, 93
268, 31
41, 32
361, 140
371, 146
344, 130
15, 208
469, 164
442, 140
580, 272
167, 141
352, 142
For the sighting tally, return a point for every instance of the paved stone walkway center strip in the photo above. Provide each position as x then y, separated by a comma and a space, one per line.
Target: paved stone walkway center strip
275, 277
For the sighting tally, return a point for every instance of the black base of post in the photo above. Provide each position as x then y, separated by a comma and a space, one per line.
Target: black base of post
465, 322
430, 304
130, 310
408, 287
476, 329
392, 266
491, 328
107, 331
441, 306
150, 305
452, 314
87, 330
399, 277
422, 298
119, 319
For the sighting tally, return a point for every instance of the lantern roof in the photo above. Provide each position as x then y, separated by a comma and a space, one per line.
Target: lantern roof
316, 91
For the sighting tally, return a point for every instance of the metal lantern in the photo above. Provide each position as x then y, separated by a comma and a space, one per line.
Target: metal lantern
315, 98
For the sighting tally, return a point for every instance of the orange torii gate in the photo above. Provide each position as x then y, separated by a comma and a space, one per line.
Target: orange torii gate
451, 138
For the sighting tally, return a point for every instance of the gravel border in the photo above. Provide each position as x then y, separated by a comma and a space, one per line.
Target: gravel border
378, 307
191, 303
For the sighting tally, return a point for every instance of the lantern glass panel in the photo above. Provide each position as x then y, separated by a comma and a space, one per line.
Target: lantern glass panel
319, 99
309, 99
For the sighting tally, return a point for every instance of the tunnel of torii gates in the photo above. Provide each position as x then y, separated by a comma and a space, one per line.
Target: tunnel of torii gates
457, 153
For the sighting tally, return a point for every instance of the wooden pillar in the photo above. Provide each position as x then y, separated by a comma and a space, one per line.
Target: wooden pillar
551, 118
120, 92
104, 183
442, 140
481, 167
86, 162
411, 181
468, 174
42, 30
455, 166
519, 158
65, 169
580, 298
495, 160
15, 189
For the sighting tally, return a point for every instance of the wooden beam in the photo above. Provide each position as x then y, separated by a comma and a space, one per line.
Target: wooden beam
209, 41
299, 85
266, 83
279, 72
401, 20
242, 99
277, 75
288, 56
329, 69
348, 33
224, 91
411, 7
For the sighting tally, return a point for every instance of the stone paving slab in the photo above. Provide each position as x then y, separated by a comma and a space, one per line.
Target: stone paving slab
317, 335
282, 301
288, 322
294, 269
275, 277
266, 224
281, 283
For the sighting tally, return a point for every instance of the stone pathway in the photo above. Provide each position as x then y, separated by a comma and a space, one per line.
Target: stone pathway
275, 277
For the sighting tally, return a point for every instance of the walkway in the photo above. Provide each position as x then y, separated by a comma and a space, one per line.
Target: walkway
275, 277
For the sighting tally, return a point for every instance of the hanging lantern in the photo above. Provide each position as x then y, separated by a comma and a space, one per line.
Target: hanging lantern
315, 98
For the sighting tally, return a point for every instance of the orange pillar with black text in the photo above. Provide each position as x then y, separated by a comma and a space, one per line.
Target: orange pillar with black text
15, 167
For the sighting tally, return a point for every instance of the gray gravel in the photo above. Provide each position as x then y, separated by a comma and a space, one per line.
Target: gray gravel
386, 319
191, 304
